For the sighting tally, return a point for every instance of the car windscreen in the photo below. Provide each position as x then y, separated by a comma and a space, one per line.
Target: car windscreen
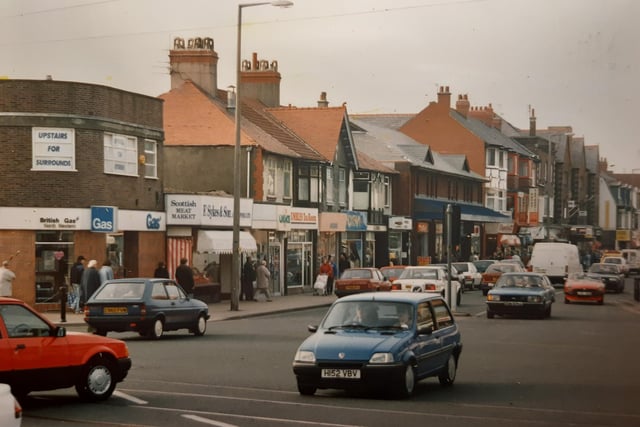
354, 273
419, 273
462, 267
121, 291
518, 281
370, 314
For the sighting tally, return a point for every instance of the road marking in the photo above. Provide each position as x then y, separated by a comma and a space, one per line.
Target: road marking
130, 398
207, 421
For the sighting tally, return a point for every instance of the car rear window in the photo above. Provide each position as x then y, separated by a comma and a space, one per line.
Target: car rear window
120, 290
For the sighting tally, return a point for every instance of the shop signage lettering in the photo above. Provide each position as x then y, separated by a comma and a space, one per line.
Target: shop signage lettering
356, 221
54, 222
303, 217
284, 219
183, 209
103, 219
153, 223
53, 149
211, 211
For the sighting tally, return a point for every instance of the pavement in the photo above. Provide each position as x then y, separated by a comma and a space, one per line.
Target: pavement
221, 311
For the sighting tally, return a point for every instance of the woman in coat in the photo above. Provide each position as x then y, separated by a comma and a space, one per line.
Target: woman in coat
262, 281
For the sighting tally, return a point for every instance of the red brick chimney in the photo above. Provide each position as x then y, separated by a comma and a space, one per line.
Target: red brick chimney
484, 114
260, 79
463, 105
444, 98
197, 61
532, 123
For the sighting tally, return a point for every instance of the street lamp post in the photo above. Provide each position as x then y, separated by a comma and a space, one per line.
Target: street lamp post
550, 181
235, 267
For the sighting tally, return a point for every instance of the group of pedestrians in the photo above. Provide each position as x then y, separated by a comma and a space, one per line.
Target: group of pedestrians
85, 280
260, 275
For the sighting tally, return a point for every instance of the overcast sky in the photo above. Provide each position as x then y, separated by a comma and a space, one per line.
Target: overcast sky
576, 62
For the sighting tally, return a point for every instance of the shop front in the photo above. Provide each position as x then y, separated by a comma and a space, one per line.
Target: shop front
345, 234
200, 229
43, 243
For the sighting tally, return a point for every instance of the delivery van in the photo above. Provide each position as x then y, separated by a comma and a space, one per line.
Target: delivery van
633, 259
556, 260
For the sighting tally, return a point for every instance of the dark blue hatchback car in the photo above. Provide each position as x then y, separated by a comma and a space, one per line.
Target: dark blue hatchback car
147, 306
383, 340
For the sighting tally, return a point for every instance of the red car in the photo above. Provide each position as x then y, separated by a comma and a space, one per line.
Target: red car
579, 287
357, 280
37, 355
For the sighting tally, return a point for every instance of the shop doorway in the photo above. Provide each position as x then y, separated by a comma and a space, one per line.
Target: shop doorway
299, 267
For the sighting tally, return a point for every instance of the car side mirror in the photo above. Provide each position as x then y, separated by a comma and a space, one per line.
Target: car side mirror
312, 328
60, 331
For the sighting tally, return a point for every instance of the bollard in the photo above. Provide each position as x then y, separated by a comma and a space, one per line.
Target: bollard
63, 303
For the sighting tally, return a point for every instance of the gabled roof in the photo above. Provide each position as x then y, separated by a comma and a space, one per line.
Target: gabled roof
388, 145
490, 135
192, 118
369, 164
318, 127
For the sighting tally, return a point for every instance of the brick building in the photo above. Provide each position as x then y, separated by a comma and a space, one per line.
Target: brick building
80, 176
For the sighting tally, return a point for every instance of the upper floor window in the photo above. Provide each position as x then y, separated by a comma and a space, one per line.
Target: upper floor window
150, 159
286, 180
491, 157
387, 192
523, 167
120, 154
342, 187
511, 165
308, 183
330, 189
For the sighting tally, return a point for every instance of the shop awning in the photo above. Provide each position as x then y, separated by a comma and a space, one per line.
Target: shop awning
430, 209
221, 241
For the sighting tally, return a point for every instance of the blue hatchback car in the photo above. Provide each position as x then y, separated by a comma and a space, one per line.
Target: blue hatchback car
383, 340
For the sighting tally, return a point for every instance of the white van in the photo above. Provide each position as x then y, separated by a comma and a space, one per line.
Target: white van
556, 260
633, 259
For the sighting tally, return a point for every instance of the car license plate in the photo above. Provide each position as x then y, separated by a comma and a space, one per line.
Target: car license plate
114, 310
341, 373
513, 303
584, 293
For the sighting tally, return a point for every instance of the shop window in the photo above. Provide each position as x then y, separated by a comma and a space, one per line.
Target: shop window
54, 257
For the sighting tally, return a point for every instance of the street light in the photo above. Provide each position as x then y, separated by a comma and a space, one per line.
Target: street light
235, 267
547, 187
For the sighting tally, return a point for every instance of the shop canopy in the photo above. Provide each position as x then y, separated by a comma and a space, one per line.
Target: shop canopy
221, 242
432, 209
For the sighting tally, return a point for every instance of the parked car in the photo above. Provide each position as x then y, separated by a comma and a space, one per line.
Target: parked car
392, 272
38, 355
468, 275
633, 259
10, 409
521, 293
482, 264
384, 352
618, 260
609, 274
144, 305
357, 280
580, 287
493, 273
428, 278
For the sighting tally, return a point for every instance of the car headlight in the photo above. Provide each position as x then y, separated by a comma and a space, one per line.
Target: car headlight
493, 297
534, 298
305, 356
381, 358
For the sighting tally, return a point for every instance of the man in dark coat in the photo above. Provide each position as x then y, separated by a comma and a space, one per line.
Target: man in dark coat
90, 281
184, 277
248, 276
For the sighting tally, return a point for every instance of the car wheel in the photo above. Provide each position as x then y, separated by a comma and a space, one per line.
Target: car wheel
566, 301
490, 314
485, 292
201, 326
306, 389
101, 332
406, 382
448, 374
601, 301
96, 380
156, 330
459, 298
547, 312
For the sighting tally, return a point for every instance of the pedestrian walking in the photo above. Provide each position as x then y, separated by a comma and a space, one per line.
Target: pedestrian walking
184, 277
343, 263
6, 280
262, 281
106, 272
161, 271
90, 282
76, 279
327, 269
248, 277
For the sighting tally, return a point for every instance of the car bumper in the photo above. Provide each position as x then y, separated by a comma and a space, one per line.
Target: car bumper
371, 376
124, 364
514, 309
120, 324
594, 297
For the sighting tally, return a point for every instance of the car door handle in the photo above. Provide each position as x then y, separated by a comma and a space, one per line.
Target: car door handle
20, 347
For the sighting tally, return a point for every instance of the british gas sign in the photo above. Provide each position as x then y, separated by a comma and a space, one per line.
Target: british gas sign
103, 219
